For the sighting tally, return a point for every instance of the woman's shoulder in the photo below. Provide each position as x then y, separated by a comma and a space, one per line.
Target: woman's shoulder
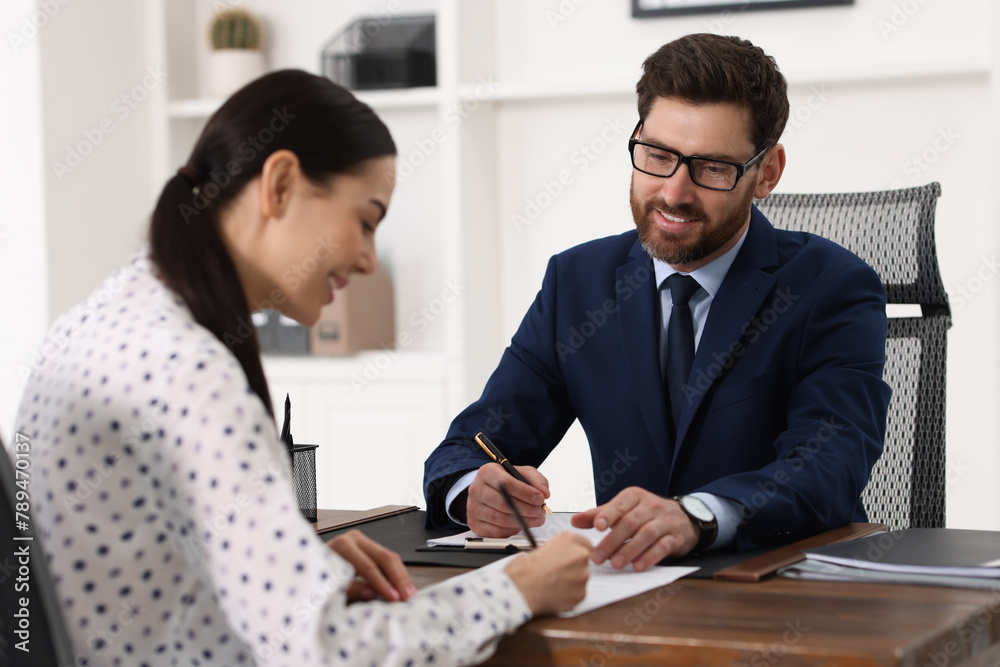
134, 312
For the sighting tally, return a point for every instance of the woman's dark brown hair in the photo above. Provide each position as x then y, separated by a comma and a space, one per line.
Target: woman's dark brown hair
706, 69
330, 132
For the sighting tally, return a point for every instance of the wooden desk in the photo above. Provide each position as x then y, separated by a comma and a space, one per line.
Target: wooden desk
700, 622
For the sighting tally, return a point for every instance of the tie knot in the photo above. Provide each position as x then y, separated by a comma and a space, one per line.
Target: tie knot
682, 288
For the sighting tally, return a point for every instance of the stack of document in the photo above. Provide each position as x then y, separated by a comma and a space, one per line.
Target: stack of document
932, 556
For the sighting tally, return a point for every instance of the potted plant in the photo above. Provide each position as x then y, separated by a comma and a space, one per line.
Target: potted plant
236, 57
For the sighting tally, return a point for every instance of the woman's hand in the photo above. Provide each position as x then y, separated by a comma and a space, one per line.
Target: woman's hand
380, 570
553, 578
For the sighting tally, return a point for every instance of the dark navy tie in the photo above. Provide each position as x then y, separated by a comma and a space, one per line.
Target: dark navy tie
680, 341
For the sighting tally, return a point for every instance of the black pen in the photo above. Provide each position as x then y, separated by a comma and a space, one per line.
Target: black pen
497, 456
517, 515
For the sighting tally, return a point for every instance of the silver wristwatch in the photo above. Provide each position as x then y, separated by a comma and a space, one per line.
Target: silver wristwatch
701, 515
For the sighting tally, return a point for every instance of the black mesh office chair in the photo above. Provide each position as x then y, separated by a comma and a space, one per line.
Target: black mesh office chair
48, 643
893, 231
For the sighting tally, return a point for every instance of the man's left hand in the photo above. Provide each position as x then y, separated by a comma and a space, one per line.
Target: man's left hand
645, 529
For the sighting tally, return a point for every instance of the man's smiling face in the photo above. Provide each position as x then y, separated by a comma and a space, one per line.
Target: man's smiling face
679, 222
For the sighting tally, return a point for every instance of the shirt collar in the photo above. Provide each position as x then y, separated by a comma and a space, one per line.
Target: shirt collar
711, 275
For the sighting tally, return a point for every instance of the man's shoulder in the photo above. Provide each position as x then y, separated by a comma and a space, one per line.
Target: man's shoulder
800, 248
613, 249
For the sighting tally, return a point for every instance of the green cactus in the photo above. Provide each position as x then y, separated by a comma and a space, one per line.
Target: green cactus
235, 29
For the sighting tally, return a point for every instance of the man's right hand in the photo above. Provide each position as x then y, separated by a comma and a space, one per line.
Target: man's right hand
486, 511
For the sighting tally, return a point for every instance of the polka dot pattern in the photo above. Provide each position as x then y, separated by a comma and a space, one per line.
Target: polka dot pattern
162, 494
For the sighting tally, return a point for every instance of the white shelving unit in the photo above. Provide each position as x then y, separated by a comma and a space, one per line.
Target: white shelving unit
398, 402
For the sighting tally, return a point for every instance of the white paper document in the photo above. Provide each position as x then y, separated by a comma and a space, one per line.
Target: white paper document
606, 584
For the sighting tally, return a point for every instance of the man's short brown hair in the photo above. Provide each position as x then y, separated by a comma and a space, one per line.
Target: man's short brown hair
706, 68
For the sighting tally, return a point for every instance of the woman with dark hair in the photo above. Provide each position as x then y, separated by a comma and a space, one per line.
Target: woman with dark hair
161, 490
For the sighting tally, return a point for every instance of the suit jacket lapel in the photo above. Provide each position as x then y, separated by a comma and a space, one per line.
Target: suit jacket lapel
740, 296
639, 330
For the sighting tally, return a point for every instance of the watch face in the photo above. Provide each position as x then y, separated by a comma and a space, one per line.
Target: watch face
697, 508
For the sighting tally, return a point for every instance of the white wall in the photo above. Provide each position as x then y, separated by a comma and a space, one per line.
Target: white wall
873, 86
80, 130
96, 117
23, 263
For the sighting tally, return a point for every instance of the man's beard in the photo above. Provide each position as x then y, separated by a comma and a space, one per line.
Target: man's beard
678, 250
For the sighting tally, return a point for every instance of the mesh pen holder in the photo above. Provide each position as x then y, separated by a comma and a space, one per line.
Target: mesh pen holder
304, 478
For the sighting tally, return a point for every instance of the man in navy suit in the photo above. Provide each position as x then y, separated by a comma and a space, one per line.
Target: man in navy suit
770, 432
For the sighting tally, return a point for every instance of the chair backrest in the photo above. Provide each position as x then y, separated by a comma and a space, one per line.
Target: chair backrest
893, 231
25, 575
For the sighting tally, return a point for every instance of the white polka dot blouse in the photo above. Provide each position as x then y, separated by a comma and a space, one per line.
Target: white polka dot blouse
164, 501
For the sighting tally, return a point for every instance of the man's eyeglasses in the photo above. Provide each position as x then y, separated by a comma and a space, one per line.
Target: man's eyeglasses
709, 174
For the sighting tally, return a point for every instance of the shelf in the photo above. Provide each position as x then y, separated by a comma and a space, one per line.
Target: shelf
370, 366
403, 98
549, 90
429, 97
532, 91
408, 98
193, 108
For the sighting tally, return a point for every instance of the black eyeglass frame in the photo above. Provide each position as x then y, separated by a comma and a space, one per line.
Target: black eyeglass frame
741, 169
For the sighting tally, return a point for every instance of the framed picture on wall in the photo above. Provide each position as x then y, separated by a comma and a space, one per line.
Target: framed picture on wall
650, 8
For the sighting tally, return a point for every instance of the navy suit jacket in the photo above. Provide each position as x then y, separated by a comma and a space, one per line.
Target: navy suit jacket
784, 411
